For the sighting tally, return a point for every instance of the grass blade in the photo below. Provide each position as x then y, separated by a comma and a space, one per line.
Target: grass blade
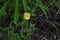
43, 7
16, 13
2, 10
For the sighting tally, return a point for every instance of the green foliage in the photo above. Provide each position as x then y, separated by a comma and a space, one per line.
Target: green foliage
43, 7
53, 2
2, 10
15, 11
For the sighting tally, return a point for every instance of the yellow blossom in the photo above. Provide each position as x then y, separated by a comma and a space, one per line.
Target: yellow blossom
27, 15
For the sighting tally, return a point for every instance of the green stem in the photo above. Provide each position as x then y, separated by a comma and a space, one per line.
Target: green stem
24, 5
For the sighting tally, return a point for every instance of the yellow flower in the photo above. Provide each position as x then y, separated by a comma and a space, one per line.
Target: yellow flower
27, 15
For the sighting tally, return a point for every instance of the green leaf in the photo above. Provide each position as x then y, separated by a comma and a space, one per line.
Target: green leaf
25, 5
43, 7
16, 13
2, 10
